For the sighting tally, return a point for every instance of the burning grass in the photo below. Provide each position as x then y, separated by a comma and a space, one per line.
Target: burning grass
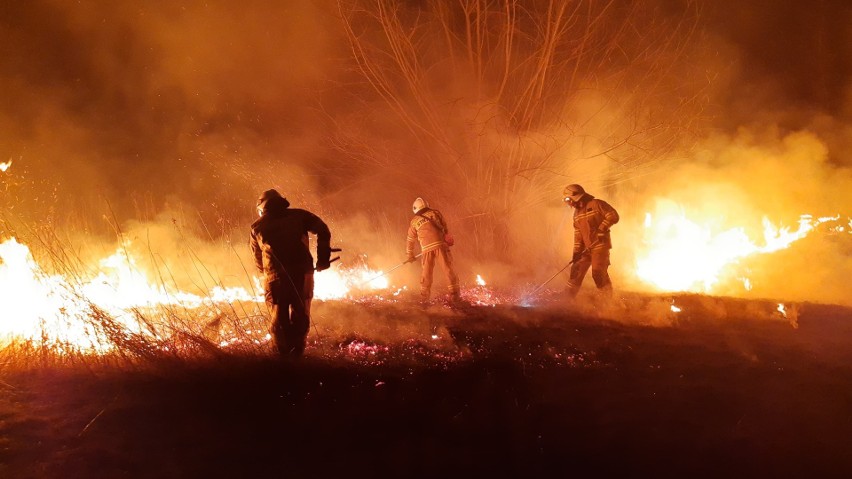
115, 371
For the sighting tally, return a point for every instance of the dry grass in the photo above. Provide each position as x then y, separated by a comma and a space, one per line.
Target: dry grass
505, 391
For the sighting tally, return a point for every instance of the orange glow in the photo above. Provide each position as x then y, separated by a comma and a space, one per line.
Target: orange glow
5, 166
51, 309
684, 254
339, 284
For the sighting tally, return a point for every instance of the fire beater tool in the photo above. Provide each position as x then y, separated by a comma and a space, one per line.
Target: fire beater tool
551, 278
388, 271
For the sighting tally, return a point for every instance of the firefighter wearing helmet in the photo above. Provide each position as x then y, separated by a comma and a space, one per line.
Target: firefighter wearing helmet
593, 219
279, 244
429, 229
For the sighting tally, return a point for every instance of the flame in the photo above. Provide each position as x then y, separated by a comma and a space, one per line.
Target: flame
32, 302
482, 295
781, 309
120, 285
339, 284
5, 166
685, 255
675, 309
50, 309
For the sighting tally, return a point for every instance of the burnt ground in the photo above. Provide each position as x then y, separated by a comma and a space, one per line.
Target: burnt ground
502, 392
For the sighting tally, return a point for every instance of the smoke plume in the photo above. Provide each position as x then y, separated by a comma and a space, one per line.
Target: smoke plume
165, 120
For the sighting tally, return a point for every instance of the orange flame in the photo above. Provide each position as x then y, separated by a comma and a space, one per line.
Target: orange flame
48, 308
683, 255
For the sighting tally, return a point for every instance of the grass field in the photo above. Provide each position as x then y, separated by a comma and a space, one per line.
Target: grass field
723, 390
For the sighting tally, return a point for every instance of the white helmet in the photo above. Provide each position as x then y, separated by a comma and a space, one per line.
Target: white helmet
418, 205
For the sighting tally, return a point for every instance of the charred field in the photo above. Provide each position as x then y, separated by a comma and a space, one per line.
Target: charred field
556, 390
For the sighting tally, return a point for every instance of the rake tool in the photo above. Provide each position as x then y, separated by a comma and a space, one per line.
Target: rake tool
388, 271
551, 278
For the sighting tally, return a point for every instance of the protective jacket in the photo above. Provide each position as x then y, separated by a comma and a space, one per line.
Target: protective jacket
279, 240
428, 228
592, 221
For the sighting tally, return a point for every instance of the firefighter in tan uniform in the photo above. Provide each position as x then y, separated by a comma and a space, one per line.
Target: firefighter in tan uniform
430, 230
592, 220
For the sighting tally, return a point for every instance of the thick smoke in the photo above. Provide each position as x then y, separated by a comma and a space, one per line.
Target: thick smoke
200, 102
780, 147
170, 118
735, 182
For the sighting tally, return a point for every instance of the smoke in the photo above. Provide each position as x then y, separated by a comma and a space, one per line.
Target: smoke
779, 148
120, 102
165, 121
737, 181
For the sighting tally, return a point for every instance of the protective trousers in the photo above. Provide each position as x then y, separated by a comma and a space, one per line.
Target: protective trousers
598, 259
428, 260
289, 299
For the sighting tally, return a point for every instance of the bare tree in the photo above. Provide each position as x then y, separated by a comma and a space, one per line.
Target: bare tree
496, 104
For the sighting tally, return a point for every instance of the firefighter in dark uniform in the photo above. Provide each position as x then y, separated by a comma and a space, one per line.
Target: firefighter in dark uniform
592, 220
429, 229
279, 243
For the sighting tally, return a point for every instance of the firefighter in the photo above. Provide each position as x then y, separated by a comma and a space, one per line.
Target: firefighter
429, 229
279, 243
592, 220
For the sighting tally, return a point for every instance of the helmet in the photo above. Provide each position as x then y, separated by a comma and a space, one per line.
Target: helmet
573, 192
418, 205
265, 197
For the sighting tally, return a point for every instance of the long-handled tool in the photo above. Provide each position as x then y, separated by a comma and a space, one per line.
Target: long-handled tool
332, 260
551, 278
388, 271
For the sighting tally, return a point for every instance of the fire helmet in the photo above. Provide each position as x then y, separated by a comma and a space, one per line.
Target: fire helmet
264, 198
267, 195
573, 192
418, 205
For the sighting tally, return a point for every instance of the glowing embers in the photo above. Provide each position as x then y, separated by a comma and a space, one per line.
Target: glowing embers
681, 254
481, 295
366, 351
5, 166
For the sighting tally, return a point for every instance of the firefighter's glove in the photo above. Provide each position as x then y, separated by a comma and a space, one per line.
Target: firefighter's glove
410, 259
576, 256
600, 236
323, 258
323, 264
